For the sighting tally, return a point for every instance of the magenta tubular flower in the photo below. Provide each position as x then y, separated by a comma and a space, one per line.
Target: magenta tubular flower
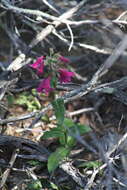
38, 65
64, 59
65, 75
45, 86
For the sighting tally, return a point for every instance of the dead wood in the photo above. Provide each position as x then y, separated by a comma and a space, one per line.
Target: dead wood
12, 142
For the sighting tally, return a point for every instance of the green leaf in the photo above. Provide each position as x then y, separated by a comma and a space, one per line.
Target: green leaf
53, 133
54, 186
62, 139
34, 162
68, 122
83, 129
59, 109
79, 129
56, 157
45, 118
21, 100
71, 141
10, 99
28, 100
74, 128
37, 103
90, 164
35, 185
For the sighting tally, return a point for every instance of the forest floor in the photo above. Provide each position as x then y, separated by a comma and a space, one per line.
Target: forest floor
98, 158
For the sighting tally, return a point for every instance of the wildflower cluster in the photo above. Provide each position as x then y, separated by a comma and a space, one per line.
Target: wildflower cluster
51, 77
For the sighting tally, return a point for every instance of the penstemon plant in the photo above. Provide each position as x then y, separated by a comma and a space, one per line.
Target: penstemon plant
65, 129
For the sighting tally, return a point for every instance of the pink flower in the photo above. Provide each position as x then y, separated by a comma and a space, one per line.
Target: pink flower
65, 75
44, 86
38, 64
64, 59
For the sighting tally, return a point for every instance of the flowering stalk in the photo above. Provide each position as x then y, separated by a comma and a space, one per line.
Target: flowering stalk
49, 83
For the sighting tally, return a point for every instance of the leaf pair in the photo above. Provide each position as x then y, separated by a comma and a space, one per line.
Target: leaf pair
56, 157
